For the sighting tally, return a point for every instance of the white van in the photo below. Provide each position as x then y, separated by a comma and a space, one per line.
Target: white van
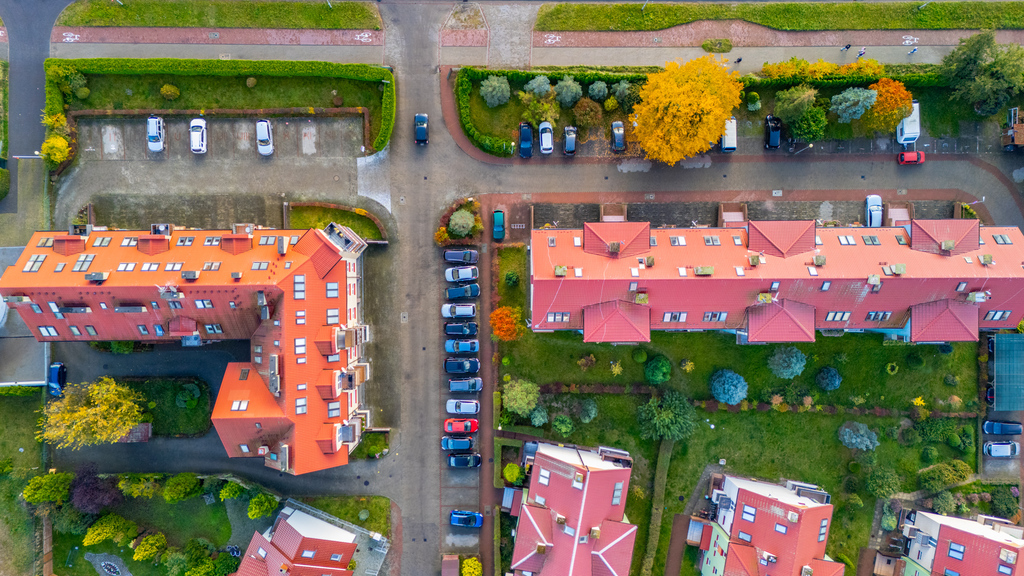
910, 128
729, 138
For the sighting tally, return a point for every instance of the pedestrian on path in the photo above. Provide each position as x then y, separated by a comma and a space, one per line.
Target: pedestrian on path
738, 60
845, 48
914, 51
862, 52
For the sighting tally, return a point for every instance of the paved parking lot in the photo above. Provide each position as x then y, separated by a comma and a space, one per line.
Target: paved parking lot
314, 159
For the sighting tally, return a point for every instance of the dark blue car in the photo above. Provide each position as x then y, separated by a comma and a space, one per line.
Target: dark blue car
466, 519
56, 378
525, 140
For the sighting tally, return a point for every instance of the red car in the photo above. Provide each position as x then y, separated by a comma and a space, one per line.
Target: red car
461, 426
911, 158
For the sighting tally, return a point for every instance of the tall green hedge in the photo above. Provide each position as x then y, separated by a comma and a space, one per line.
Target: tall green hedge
141, 66
911, 80
657, 505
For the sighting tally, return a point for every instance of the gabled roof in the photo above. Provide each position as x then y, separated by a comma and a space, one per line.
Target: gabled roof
740, 560
983, 546
944, 321
781, 237
534, 532
617, 321
633, 238
782, 321
928, 235
613, 553
822, 567
331, 547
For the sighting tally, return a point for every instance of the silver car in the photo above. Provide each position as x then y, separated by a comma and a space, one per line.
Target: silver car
874, 211
155, 134
264, 138
197, 135
1000, 449
462, 407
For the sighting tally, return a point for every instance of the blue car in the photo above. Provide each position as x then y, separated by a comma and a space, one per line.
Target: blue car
56, 378
498, 226
466, 519
462, 346
525, 140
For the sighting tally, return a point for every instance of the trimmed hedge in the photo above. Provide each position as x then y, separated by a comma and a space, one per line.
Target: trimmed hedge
140, 66
5, 180
16, 390
657, 505
911, 80
498, 443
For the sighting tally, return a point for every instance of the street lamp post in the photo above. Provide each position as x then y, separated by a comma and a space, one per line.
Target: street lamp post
801, 150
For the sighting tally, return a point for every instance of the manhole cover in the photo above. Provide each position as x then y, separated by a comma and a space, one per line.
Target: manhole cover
109, 568
336, 177
214, 35
648, 196
405, 317
401, 199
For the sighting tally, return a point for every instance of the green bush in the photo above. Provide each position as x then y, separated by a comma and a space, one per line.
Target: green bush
911, 437
588, 411
787, 362
657, 370
232, 491
170, 92
943, 503
929, 455
261, 505
513, 473
950, 380
889, 521
82, 93
461, 223
598, 90
937, 430
511, 278
915, 361
181, 487
539, 417
568, 91
495, 91
1004, 504
539, 86
828, 379
611, 103
855, 502
942, 475
563, 425
883, 482
854, 467
728, 386
719, 46
587, 112
639, 355
851, 484
621, 90
5, 182
17, 390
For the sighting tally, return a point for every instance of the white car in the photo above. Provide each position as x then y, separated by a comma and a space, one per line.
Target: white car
463, 407
461, 274
155, 134
197, 135
874, 211
547, 138
458, 310
997, 449
264, 138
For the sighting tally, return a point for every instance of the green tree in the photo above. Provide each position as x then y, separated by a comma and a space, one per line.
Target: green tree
461, 223
568, 91
883, 482
828, 379
540, 86
539, 417
657, 370
226, 564
111, 527
728, 386
70, 520
175, 562
670, 417
520, 397
984, 73
588, 411
855, 502
49, 488
151, 546
513, 472
232, 491
811, 126
852, 103
1004, 504
787, 362
139, 485
857, 436
563, 425
88, 414
791, 104
943, 503
181, 487
261, 505
495, 91
170, 91
621, 90
598, 91
539, 108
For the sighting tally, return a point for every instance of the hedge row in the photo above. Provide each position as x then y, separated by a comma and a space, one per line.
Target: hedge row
657, 505
180, 67
499, 480
911, 80
5, 181
497, 540
18, 390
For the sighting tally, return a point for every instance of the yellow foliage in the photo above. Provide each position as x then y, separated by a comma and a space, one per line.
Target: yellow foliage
472, 567
616, 368
919, 401
683, 110
87, 414
55, 149
55, 121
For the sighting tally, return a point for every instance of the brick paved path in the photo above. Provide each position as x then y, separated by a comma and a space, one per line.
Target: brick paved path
227, 36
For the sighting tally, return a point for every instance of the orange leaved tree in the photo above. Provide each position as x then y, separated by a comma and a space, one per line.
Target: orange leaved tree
507, 323
893, 104
682, 111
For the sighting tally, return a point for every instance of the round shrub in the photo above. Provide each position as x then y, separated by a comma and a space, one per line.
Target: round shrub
513, 473
621, 89
82, 93
588, 411
888, 523
639, 355
854, 467
657, 370
461, 224
563, 425
170, 91
753, 97
915, 361
892, 368
539, 417
943, 503
851, 484
539, 86
511, 278
787, 362
598, 91
883, 482
588, 113
729, 387
495, 91
250, 82
953, 440
854, 502
611, 104
929, 455
950, 380
911, 437
568, 91
945, 348
829, 379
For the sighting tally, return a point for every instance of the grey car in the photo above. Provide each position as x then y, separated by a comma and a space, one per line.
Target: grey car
874, 210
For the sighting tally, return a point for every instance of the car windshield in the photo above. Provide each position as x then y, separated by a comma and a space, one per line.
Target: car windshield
197, 129
153, 137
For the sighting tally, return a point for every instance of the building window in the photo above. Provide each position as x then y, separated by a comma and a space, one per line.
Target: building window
715, 316
200, 304
185, 240
154, 304
300, 405
950, 572
59, 267
825, 286
83, 263
46, 242
244, 448
75, 331
150, 266
961, 287
90, 330
744, 536
674, 317
1002, 239
617, 494
307, 553
36, 308
48, 331
677, 240
300, 316
737, 241
654, 241
956, 551
34, 262
212, 266
260, 265
103, 305
333, 409
294, 240
332, 315
267, 241
130, 241
261, 552
558, 316
143, 329
540, 499
823, 530
749, 513
837, 316
336, 557
101, 241
632, 286
211, 241
871, 240
174, 304
332, 289
158, 329
712, 241
878, 316
300, 345
781, 528
544, 476
847, 241
214, 329
774, 287
1004, 569
172, 266
239, 405
997, 314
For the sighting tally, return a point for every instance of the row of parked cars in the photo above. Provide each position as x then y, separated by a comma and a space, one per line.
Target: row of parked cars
1001, 448
546, 137
156, 135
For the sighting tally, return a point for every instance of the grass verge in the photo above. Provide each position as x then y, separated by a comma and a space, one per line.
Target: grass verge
373, 443
18, 417
512, 259
303, 217
657, 505
348, 507
786, 16
221, 14
499, 481
168, 418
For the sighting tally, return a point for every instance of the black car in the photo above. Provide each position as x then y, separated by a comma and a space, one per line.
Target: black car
468, 385
56, 378
460, 328
569, 142
772, 132
422, 129
525, 140
462, 365
461, 256
618, 137
464, 291
472, 460
999, 428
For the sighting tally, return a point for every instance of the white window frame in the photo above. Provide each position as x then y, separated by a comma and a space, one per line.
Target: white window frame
48, 331
35, 261
173, 266
333, 409
332, 289
749, 511
300, 405
300, 345
150, 266
333, 316
299, 287
544, 476
239, 405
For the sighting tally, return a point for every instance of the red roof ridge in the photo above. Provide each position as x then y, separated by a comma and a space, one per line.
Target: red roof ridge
633, 238
782, 321
928, 235
783, 238
616, 321
944, 320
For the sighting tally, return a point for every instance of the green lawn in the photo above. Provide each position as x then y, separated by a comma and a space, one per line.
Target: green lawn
126, 92
786, 16
168, 418
348, 507
513, 260
64, 548
303, 217
372, 443
221, 14
18, 417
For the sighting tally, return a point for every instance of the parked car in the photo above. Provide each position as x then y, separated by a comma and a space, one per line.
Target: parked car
498, 225
155, 134
466, 519
462, 346
461, 256
874, 210
990, 395
911, 157
547, 138
458, 310
468, 385
525, 140
56, 378
463, 291
471, 460
421, 128
460, 328
1002, 449
618, 136
772, 132
461, 274
453, 443
197, 135
461, 425
569, 141
264, 138
462, 365
1000, 428
462, 407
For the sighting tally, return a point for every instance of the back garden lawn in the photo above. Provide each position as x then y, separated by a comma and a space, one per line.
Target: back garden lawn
18, 416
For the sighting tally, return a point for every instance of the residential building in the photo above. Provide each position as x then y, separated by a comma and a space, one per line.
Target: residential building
572, 518
781, 281
760, 528
294, 294
949, 546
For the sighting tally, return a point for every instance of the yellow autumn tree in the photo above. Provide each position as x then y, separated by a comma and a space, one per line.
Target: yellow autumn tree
87, 414
682, 111
893, 104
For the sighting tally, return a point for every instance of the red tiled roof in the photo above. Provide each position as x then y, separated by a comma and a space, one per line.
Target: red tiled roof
617, 321
781, 237
705, 537
68, 245
981, 552
793, 549
283, 554
153, 244
613, 553
782, 321
944, 321
182, 326
822, 567
534, 531
633, 238
740, 560
928, 235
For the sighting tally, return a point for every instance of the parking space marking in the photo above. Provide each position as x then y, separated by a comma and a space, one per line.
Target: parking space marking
113, 144
309, 140
244, 138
